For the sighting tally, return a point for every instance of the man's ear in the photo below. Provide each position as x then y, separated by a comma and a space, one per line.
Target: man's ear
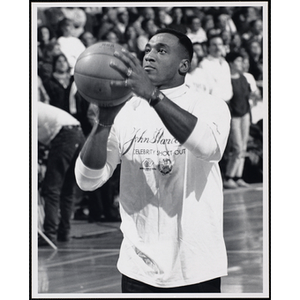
184, 66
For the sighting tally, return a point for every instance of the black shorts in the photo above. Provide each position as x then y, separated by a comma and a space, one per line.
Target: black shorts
130, 285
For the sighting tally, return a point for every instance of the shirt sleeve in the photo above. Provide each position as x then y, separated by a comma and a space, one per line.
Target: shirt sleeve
209, 137
90, 179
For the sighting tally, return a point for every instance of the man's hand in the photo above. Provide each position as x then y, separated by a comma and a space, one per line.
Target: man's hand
107, 114
135, 76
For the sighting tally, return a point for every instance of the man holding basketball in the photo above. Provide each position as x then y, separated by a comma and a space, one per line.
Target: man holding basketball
168, 140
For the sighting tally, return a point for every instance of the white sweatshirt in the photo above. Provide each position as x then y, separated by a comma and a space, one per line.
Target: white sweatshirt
171, 199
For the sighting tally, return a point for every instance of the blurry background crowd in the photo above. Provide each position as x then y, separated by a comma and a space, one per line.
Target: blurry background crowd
65, 32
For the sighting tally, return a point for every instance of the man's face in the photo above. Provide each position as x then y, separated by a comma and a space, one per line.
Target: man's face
258, 27
216, 47
88, 39
237, 64
61, 65
151, 27
45, 34
255, 48
163, 55
198, 50
196, 24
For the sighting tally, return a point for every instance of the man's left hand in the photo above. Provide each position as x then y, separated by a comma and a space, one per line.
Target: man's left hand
135, 76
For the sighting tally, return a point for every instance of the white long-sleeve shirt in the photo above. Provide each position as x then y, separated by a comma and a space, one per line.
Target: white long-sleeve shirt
171, 199
71, 47
51, 119
218, 77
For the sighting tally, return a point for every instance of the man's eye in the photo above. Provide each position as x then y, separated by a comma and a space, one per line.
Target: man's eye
147, 50
162, 50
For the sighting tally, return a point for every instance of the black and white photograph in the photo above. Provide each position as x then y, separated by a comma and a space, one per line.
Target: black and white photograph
150, 150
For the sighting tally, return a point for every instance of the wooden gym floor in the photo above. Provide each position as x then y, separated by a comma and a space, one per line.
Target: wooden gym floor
86, 266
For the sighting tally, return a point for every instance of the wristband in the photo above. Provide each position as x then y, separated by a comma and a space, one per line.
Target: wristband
156, 97
102, 125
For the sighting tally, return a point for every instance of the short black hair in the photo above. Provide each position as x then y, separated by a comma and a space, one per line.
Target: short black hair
183, 39
232, 56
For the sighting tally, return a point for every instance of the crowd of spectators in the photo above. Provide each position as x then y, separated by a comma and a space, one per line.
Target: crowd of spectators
65, 32
74, 28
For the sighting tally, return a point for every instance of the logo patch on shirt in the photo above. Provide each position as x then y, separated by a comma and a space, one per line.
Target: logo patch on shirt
165, 166
147, 164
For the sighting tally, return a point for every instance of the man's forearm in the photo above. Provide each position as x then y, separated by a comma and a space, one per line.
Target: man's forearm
94, 151
178, 121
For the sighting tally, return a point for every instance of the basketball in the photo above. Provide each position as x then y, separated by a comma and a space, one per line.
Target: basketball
92, 75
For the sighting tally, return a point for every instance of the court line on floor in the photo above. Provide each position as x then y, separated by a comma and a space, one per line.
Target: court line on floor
245, 251
239, 190
243, 206
79, 260
87, 285
95, 233
116, 283
79, 250
97, 288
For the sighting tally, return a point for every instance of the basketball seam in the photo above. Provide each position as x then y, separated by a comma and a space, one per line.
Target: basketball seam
89, 54
100, 78
102, 100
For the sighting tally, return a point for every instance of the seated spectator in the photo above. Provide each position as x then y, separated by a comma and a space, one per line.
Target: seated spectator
45, 37
111, 37
243, 17
196, 78
163, 19
256, 62
217, 70
62, 92
200, 51
236, 42
225, 23
131, 44
149, 28
148, 13
71, 46
45, 65
79, 18
88, 39
226, 37
255, 32
195, 32
208, 23
53, 16
178, 20
109, 20
58, 86
122, 23
255, 94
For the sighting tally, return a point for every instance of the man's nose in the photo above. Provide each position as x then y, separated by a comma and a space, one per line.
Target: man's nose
149, 56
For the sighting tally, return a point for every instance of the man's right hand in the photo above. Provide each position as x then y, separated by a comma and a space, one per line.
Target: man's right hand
107, 114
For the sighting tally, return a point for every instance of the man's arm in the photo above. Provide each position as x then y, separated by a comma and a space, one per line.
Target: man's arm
94, 151
178, 121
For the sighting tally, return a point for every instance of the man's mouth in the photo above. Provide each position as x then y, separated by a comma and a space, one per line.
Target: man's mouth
148, 68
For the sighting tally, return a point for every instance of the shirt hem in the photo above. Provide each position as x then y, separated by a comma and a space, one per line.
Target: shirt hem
171, 284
